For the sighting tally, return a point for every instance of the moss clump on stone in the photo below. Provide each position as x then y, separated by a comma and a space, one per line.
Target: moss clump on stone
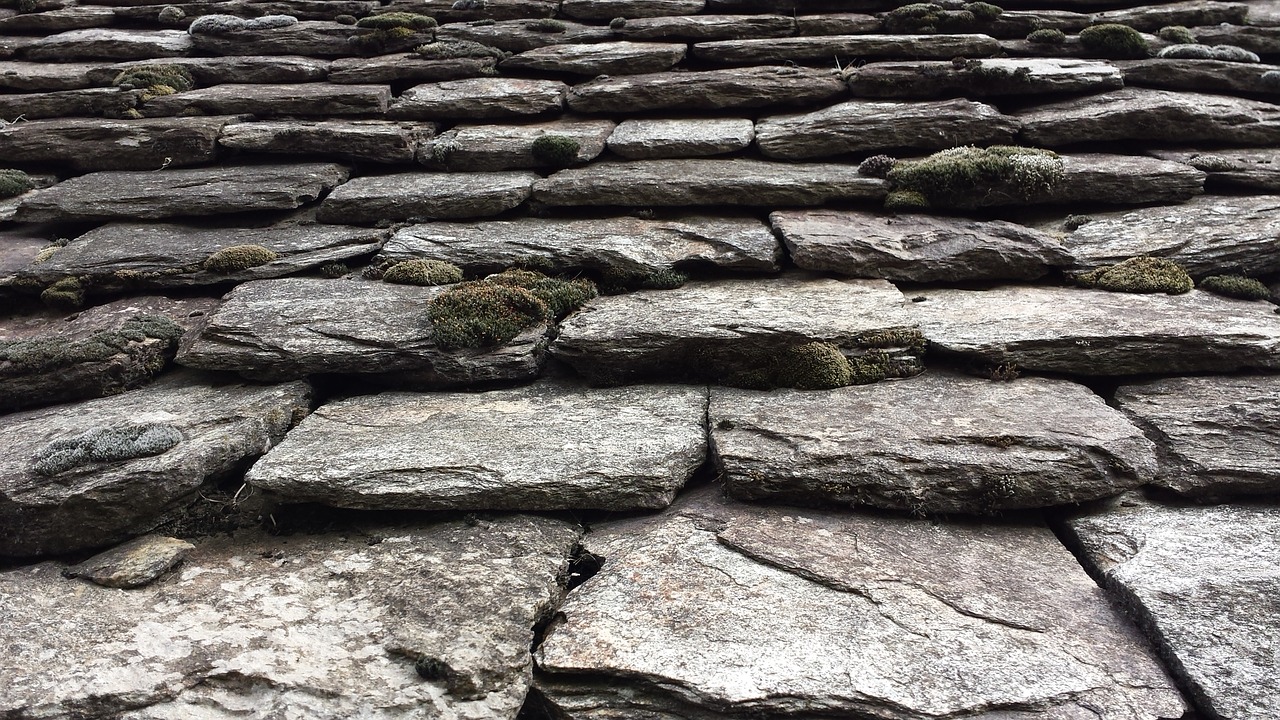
171, 15
560, 296
1047, 36
221, 24
239, 257
388, 21
44, 354
107, 444
1073, 223
1140, 275
455, 49
423, 272
950, 176
1177, 34
877, 166
1236, 286
483, 314
1211, 163
334, 270
905, 201
66, 294
1232, 53
662, 280
1112, 40
928, 17
555, 150
615, 281
14, 183
813, 366
617, 23
984, 11
546, 25
1270, 80
175, 77
345, 19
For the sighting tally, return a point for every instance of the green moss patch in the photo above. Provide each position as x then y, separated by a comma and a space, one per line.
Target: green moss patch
555, 150
1112, 40
493, 311
1046, 36
14, 183
66, 294
155, 78
454, 49
107, 444
423, 272
1236, 286
1177, 34
951, 176
38, 355
546, 25
1140, 275
239, 257
391, 20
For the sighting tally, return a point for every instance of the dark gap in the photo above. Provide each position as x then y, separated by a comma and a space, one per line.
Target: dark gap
537, 707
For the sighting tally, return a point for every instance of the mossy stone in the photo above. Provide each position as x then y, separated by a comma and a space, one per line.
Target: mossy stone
1177, 34
1140, 275
555, 150
66, 294
877, 166
813, 366
423, 272
950, 176
239, 257
546, 25
1236, 286
905, 201
174, 77
391, 20
1047, 36
107, 444
454, 49
14, 183
481, 314
1112, 40
44, 354
560, 296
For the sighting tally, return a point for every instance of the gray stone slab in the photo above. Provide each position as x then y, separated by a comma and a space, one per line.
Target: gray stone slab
707, 27
425, 196
1257, 168
547, 446
55, 21
288, 328
987, 77
87, 145
479, 99
1095, 332
621, 57
38, 76
855, 610
208, 71
320, 39
1206, 76
306, 99
520, 35
1258, 39
845, 48
95, 503
1152, 17
506, 147
693, 137
88, 102
705, 90
499, 10
404, 68
133, 564
375, 141
109, 44
1203, 583
607, 9
843, 23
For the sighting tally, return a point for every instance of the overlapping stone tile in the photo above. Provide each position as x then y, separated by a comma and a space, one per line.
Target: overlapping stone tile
425, 196
520, 35
607, 9
481, 147
499, 10
1205, 76
375, 141
88, 145
87, 103
1264, 40
987, 77
55, 21
643, 139
1153, 16
621, 57
479, 99
109, 44
844, 47
319, 39
1256, 168
707, 27
37, 76
206, 71
705, 90
304, 99
402, 68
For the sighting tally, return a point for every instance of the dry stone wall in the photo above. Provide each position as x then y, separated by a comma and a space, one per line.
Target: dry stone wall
640, 359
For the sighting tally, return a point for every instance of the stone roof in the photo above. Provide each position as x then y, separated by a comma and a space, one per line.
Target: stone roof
622, 359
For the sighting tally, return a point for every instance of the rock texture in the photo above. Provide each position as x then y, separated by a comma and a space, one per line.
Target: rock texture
133, 564
1249, 168
506, 147
988, 77
376, 141
306, 99
95, 503
546, 446
707, 90
648, 139
606, 58
849, 605
114, 144
844, 48
479, 99
425, 196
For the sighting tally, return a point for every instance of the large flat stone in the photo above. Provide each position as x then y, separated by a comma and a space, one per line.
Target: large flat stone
506, 147
705, 90
694, 137
1206, 76
621, 57
288, 328
719, 330
988, 77
935, 443
305, 99
648, 183
619, 246
520, 35
425, 196
869, 125
1202, 581
109, 44
310, 625
1218, 436
189, 192
319, 39
38, 76
1208, 235
375, 141
1264, 40
547, 446
89, 145
56, 21
844, 48
96, 503
1095, 332
499, 10
207, 71
1152, 17
916, 248
479, 99
607, 9
707, 27
715, 610
89, 102
402, 68
1257, 168
1159, 115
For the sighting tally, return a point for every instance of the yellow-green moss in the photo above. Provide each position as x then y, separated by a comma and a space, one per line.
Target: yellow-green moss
952, 175
423, 272
905, 201
1236, 286
812, 366
483, 314
1047, 36
391, 20
14, 183
1112, 40
555, 150
239, 257
1140, 275
560, 296
175, 77
67, 294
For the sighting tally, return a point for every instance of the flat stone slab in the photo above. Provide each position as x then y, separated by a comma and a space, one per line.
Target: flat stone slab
916, 248
38, 76
1217, 435
89, 103
718, 330
650, 183
55, 21
51, 357
1150, 18
479, 99
320, 39
1208, 235
1207, 76
870, 125
207, 71
1202, 581
292, 327
138, 562
89, 145
220, 190
694, 137
1159, 115
376, 141
425, 196
618, 246
606, 9
622, 57
402, 68
109, 44
844, 47
499, 10
1257, 168
306, 99
707, 27
1095, 332
94, 503
705, 90
848, 606
547, 446
988, 77
518, 35
1263, 40
319, 624
504, 147
935, 443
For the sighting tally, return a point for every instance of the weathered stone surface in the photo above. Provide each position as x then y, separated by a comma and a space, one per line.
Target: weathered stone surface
916, 248
862, 616
307, 99
607, 58
871, 125
50, 357
1218, 436
87, 146
1161, 115
445, 10
1202, 581
1150, 18
309, 38
206, 71
479, 99
425, 196
127, 255
708, 90
506, 147
935, 443
547, 446
401, 68
109, 44
133, 564
619, 246
170, 193
35, 76
648, 183
11, 46
717, 329
1261, 40
89, 102
694, 137
98, 503
1095, 332
845, 48
1208, 235
283, 329
376, 141
18, 248
607, 9
56, 21
989, 77
707, 27
311, 625
519, 35
1256, 168
1208, 76
845, 23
